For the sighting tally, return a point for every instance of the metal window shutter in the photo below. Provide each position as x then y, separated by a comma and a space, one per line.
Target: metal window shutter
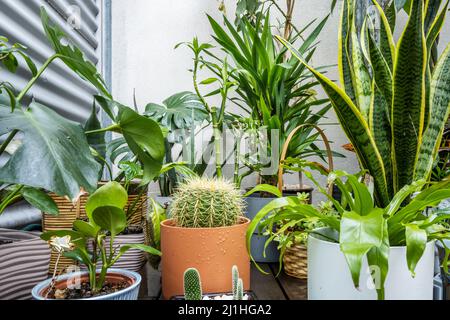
58, 88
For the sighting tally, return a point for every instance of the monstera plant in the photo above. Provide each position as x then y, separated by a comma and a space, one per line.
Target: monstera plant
53, 153
390, 103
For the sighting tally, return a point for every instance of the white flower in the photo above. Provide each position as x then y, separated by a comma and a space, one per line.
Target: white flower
61, 244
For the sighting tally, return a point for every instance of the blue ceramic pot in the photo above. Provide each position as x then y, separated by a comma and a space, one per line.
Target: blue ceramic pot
130, 293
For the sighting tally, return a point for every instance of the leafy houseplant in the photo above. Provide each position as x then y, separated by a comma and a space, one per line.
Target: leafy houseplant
391, 106
40, 128
206, 222
180, 114
106, 220
274, 89
364, 230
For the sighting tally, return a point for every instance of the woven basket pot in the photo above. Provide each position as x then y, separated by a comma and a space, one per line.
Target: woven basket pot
68, 213
295, 261
24, 263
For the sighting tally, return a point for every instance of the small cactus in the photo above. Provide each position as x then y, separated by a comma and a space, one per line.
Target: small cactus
192, 285
240, 290
238, 284
206, 203
235, 280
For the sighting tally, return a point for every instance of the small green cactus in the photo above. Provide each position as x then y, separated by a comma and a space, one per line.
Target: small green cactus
192, 285
206, 203
238, 284
235, 280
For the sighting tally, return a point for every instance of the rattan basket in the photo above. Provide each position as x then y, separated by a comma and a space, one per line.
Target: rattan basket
68, 213
295, 262
295, 258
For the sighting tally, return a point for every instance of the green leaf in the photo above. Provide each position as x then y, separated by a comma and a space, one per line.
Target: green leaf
344, 56
180, 111
416, 241
157, 215
80, 255
140, 247
86, 228
110, 195
379, 257
97, 140
71, 55
145, 139
265, 188
440, 111
387, 46
111, 219
54, 155
40, 200
408, 109
358, 235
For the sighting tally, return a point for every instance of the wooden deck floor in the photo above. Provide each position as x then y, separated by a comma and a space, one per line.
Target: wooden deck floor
266, 287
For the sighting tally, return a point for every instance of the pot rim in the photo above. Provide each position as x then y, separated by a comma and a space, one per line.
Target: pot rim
329, 243
36, 291
243, 222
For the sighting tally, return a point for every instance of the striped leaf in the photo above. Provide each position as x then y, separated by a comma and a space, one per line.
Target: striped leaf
387, 44
361, 78
408, 108
381, 130
355, 127
344, 60
440, 109
436, 28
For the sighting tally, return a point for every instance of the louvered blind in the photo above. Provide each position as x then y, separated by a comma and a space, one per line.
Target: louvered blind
59, 88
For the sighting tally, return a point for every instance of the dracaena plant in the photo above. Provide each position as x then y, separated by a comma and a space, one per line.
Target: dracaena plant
274, 89
366, 229
106, 220
390, 104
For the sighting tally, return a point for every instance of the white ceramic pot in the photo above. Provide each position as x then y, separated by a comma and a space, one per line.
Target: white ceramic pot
329, 275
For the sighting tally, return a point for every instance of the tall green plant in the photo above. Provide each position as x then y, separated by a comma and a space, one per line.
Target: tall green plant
391, 106
274, 89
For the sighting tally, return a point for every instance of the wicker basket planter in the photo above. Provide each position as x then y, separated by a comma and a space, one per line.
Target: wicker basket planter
68, 213
23, 263
295, 261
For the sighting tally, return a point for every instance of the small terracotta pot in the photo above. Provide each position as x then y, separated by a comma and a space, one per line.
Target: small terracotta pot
212, 251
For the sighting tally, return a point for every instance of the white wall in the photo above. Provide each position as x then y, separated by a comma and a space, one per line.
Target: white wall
146, 31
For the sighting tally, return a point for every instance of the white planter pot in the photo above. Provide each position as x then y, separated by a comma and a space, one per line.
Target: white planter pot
329, 275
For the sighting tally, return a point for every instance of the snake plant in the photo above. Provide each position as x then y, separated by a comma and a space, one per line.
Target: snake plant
391, 104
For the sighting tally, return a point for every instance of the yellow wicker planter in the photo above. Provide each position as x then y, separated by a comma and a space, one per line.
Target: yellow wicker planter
68, 213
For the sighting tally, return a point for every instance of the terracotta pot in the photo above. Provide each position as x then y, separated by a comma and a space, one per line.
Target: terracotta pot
212, 251
114, 276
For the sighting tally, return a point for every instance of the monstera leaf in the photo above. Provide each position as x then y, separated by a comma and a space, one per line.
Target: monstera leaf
71, 55
179, 111
54, 154
143, 136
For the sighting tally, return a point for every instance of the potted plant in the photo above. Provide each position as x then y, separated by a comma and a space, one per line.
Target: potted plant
275, 106
386, 252
207, 232
395, 115
107, 220
193, 288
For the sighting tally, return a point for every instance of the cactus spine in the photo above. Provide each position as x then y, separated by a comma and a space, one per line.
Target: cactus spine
192, 285
206, 203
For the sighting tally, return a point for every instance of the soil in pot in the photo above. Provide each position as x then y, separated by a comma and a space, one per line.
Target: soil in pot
114, 283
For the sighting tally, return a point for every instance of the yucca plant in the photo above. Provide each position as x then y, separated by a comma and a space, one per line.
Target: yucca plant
390, 104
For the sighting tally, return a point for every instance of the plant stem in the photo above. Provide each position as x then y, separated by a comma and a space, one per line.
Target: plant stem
217, 142
8, 141
10, 198
114, 127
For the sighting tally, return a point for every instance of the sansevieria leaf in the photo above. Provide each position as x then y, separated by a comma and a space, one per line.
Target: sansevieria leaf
344, 36
440, 109
386, 38
408, 108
